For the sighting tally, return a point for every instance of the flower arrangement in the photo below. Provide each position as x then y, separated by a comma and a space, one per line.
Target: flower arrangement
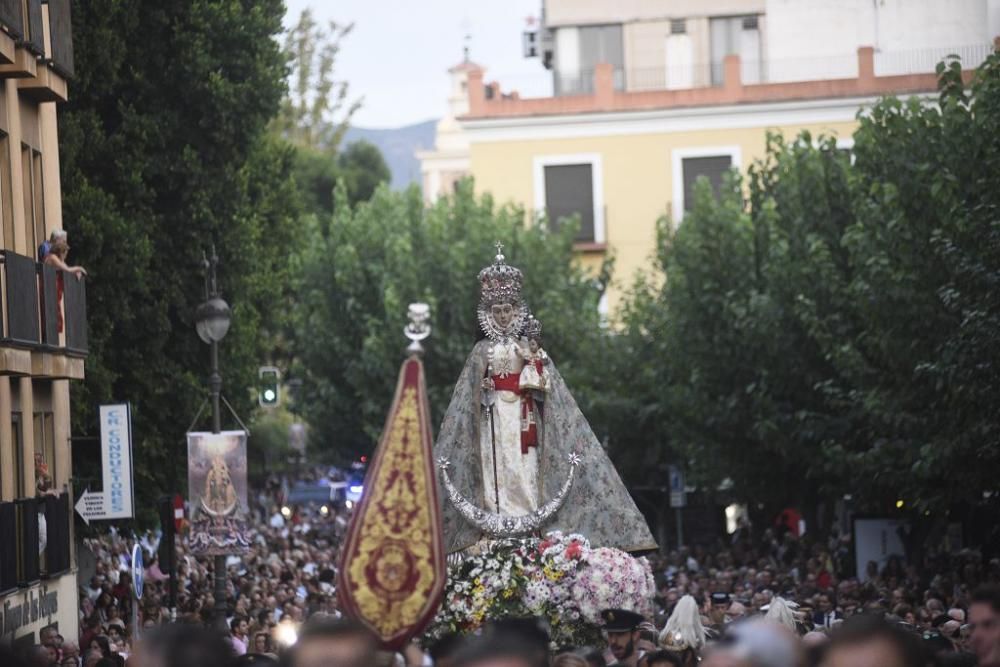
558, 578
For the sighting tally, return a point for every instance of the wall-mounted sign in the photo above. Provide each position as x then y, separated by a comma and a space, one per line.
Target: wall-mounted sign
33, 606
116, 499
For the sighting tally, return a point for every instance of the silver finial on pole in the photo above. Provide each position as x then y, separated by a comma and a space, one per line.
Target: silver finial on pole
419, 327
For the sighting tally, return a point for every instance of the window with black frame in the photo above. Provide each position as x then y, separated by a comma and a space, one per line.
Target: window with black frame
569, 191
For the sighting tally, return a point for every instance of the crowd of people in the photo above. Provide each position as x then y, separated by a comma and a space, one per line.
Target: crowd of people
287, 576
773, 600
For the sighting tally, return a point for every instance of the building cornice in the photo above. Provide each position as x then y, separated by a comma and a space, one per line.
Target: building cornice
659, 121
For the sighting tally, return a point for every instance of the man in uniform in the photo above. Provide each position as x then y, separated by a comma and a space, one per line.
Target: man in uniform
621, 627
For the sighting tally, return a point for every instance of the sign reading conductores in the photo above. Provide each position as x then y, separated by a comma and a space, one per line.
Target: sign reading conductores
116, 455
115, 500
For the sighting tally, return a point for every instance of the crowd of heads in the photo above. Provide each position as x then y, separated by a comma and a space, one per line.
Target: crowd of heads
287, 577
776, 600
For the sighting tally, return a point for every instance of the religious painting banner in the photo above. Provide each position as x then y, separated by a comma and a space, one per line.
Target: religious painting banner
217, 493
393, 571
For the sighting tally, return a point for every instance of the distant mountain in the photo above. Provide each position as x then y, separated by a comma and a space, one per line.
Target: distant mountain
398, 146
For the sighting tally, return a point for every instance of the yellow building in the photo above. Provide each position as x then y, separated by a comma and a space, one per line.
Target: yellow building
646, 105
43, 339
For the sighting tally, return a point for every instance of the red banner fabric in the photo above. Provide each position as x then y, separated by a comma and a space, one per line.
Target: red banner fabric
393, 570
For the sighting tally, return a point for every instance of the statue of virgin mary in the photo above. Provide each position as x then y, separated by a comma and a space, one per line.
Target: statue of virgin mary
517, 456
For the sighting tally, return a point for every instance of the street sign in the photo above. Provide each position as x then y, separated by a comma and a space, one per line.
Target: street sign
116, 499
678, 498
91, 506
178, 512
137, 569
116, 452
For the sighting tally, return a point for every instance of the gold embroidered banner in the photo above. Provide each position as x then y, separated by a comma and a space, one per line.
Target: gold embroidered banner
393, 567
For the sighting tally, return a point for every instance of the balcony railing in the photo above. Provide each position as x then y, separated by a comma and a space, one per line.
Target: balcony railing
61, 36
28, 547
48, 290
582, 82
35, 39
8, 547
22, 299
34, 540
730, 82
704, 74
22, 21
57, 512
75, 309
12, 18
32, 308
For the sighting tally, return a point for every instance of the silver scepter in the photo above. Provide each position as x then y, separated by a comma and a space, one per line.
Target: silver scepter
418, 328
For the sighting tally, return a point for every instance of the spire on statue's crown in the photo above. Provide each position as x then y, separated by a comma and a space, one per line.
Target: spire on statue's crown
500, 282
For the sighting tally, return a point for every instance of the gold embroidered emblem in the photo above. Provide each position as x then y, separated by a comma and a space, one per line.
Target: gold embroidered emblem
394, 559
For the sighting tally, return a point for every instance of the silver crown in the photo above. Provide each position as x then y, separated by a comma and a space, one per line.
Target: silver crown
500, 282
533, 328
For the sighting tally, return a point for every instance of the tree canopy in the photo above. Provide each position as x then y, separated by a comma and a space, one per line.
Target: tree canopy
835, 318
367, 262
164, 150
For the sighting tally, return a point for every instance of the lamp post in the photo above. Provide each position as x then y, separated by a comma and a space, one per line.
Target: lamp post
212, 319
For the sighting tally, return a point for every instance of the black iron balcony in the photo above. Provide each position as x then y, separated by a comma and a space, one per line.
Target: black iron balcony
27, 554
35, 40
8, 547
38, 313
75, 310
61, 37
57, 535
23, 22
21, 316
48, 279
12, 18
28, 546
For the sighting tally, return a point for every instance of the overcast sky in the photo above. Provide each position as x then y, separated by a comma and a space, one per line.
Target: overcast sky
398, 56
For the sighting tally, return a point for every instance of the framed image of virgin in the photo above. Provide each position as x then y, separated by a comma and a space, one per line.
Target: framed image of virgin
217, 493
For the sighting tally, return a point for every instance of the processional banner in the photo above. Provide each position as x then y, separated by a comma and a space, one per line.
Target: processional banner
217, 493
394, 567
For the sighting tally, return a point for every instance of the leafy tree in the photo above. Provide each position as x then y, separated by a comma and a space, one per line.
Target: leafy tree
363, 168
367, 262
309, 111
314, 115
840, 324
360, 165
316, 174
163, 150
268, 445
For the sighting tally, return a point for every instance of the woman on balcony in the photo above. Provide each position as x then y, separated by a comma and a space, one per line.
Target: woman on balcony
57, 258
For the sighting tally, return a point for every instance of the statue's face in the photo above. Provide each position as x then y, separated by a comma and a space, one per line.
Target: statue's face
503, 315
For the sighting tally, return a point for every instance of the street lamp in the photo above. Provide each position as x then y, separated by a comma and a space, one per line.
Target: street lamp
212, 319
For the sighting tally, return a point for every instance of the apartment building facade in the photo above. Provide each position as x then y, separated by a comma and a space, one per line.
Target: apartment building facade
43, 337
650, 95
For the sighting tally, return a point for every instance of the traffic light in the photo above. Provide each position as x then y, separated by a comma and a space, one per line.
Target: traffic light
270, 387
